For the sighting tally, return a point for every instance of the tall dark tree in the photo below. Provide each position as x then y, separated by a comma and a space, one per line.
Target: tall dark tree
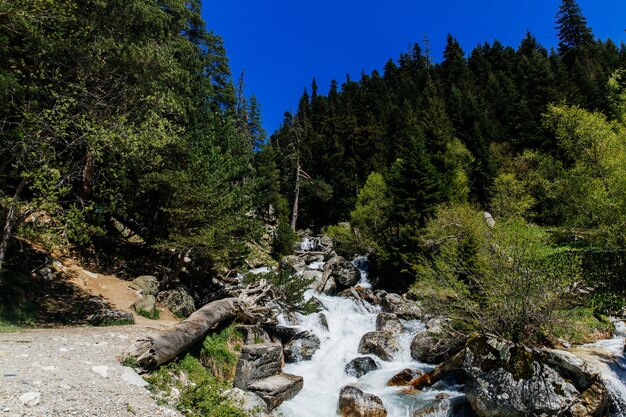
572, 26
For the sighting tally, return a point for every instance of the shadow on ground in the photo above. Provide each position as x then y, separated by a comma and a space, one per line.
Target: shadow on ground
30, 297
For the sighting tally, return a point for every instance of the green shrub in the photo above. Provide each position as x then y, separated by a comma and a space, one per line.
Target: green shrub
149, 315
506, 281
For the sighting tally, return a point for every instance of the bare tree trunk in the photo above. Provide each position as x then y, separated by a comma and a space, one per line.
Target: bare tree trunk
439, 372
294, 211
154, 350
10, 223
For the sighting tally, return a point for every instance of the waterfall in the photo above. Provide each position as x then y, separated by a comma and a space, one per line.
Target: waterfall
324, 374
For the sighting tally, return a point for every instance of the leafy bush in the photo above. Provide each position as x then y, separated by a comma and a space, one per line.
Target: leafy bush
220, 352
506, 281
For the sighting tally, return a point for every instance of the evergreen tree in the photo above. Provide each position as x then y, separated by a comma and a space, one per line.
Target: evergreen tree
572, 26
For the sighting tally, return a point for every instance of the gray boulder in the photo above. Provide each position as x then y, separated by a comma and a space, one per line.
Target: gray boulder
345, 274
148, 284
254, 334
401, 307
301, 347
331, 287
146, 304
358, 367
293, 264
382, 344
355, 403
429, 347
252, 404
257, 362
503, 379
388, 322
276, 389
178, 301
312, 275
323, 321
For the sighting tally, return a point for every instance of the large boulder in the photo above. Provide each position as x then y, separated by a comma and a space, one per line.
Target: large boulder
388, 322
146, 305
147, 284
382, 344
312, 275
330, 288
345, 274
429, 347
293, 264
301, 347
276, 389
358, 367
254, 334
342, 272
251, 404
401, 307
178, 301
355, 403
257, 362
503, 379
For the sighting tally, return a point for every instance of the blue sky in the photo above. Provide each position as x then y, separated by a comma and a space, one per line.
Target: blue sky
283, 44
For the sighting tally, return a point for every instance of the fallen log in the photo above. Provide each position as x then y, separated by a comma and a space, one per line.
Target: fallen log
439, 372
155, 349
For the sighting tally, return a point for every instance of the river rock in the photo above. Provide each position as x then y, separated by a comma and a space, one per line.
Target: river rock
355, 403
358, 367
346, 275
257, 362
146, 304
254, 334
276, 389
401, 307
178, 301
388, 322
331, 287
503, 379
443, 405
312, 275
321, 317
301, 347
293, 264
404, 377
148, 284
250, 403
428, 347
382, 344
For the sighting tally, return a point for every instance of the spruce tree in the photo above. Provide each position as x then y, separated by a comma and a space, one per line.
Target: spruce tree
572, 26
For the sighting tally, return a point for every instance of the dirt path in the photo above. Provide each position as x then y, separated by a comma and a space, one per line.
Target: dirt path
75, 370
66, 367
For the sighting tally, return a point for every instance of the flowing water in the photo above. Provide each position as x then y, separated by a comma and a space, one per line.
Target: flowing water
324, 375
608, 356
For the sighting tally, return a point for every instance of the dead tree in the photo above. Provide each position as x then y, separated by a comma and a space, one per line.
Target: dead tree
153, 350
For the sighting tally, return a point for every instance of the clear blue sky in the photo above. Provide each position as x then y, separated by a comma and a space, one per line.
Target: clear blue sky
283, 44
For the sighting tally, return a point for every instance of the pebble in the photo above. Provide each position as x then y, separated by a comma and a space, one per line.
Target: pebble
101, 370
30, 399
129, 375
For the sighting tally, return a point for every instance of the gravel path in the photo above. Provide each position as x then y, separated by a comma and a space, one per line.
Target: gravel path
73, 371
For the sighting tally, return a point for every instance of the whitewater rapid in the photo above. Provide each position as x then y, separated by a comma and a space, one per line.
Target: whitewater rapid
324, 375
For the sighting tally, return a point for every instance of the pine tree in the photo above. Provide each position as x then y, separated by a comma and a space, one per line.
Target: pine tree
572, 26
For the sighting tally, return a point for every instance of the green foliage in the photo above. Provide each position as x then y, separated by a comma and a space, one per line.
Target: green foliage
220, 352
130, 361
507, 281
284, 239
373, 208
583, 326
511, 199
202, 380
149, 315
290, 287
348, 241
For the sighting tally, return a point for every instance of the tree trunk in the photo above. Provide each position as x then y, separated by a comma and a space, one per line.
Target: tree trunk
440, 372
294, 212
9, 224
156, 349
